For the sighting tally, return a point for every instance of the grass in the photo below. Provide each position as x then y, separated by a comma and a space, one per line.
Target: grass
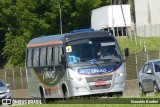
92, 105
101, 102
152, 43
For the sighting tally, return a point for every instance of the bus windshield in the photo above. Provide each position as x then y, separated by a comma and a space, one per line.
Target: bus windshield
101, 49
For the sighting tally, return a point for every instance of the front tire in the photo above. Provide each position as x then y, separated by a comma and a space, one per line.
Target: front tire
65, 92
142, 92
155, 88
43, 99
66, 95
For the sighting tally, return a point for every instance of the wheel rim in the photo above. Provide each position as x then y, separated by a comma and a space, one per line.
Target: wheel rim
66, 95
140, 88
155, 88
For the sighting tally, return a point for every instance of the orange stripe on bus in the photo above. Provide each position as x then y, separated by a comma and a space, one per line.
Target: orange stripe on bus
44, 44
45, 86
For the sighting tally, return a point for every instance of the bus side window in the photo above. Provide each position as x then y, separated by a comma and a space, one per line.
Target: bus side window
50, 54
56, 56
59, 55
36, 57
43, 56
29, 58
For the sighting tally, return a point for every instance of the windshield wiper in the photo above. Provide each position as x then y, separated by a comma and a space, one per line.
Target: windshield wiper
83, 60
110, 60
93, 62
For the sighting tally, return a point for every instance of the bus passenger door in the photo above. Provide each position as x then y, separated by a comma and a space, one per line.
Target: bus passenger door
59, 61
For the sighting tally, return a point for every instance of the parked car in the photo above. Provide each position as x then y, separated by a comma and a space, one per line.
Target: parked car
149, 77
4, 90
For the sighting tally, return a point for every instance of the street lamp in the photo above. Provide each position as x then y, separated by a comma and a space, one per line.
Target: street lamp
60, 15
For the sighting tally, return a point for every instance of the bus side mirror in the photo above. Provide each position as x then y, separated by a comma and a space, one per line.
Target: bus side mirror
126, 52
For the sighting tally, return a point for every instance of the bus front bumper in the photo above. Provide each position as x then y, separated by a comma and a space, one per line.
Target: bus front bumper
82, 91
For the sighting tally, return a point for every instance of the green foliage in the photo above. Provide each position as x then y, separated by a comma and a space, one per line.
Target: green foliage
132, 5
21, 23
135, 46
22, 20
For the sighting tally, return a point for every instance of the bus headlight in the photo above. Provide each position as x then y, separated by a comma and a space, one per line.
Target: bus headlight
79, 79
121, 74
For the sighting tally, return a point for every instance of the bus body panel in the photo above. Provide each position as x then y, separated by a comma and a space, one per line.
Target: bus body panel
78, 85
89, 79
46, 77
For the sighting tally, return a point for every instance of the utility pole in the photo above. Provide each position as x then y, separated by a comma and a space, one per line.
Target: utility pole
60, 15
124, 19
112, 19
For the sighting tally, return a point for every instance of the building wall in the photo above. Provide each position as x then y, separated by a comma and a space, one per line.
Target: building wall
147, 17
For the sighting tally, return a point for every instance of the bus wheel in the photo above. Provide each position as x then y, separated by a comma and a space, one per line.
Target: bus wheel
66, 95
43, 99
65, 92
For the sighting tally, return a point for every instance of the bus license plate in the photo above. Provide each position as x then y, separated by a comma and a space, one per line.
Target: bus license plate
100, 83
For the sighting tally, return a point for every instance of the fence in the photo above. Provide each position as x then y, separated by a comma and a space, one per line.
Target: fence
16, 77
137, 60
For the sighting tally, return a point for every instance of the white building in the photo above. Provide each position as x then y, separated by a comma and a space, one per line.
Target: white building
147, 17
114, 18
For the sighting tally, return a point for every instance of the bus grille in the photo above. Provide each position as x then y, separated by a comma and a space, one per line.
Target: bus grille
99, 78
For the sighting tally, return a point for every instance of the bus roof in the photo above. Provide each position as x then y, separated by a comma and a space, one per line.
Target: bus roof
59, 39
46, 40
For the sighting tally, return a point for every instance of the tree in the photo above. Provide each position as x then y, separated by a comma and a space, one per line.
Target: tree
22, 20
131, 2
2, 57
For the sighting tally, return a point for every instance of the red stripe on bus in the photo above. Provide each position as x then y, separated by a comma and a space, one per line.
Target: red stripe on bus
44, 44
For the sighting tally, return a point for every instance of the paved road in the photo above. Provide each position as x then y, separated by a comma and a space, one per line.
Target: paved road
132, 90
